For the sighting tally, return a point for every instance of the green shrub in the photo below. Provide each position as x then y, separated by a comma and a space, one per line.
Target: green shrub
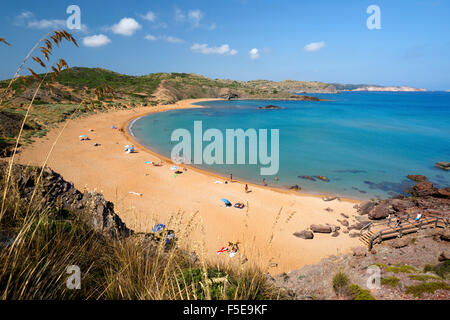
340, 283
403, 269
426, 287
422, 277
360, 294
390, 281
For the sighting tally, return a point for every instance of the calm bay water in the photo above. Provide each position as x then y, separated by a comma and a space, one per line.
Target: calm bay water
365, 143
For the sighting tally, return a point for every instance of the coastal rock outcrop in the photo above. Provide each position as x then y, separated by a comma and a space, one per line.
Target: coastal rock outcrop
380, 211
443, 165
365, 207
53, 190
423, 189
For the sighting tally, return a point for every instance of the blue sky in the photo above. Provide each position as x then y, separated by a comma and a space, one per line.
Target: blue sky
245, 39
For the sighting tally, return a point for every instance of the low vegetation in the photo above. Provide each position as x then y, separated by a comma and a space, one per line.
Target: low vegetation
390, 281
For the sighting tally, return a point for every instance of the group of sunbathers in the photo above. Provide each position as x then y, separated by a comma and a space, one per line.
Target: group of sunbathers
233, 248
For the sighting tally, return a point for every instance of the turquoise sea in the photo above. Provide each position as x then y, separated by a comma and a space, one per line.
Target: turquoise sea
366, 143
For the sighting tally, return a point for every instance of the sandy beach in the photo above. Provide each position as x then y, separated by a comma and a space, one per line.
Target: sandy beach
264, 228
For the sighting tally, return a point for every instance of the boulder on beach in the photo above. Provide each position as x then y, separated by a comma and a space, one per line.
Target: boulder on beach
380, 211
365, 207
305, 234
318, 228
344, 222
417, 177
443, 165
401, 205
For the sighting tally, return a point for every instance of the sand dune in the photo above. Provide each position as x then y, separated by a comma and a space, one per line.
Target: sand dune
264, 228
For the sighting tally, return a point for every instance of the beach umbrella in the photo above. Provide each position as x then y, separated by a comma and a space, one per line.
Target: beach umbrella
158, 227
227, 203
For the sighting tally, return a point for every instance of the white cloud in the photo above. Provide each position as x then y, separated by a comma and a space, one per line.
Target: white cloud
314, 46
172, 39
126, 27
28, 19
150, 37
179, 15
96, 40
195, 16
205, 49
254, 54
169, 39
149, 16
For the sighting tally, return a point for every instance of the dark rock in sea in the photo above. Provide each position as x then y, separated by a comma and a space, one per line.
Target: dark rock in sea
365, 207
417, 177
380, 211
317, 228
443, 165
305, 234
296, 187
307, 178
350, 171
270, 106
323, 178
390, 187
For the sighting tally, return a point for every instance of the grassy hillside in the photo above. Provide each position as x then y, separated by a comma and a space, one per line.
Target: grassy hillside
76, 84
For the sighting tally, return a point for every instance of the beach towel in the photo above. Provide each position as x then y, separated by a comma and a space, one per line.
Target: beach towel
135, 193
232, 254
148, 162
222, 250
174, 168
239, 205
217, 182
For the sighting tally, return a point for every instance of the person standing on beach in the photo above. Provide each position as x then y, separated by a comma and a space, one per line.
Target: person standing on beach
276, 179
231, 177
246, 188
264, 182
